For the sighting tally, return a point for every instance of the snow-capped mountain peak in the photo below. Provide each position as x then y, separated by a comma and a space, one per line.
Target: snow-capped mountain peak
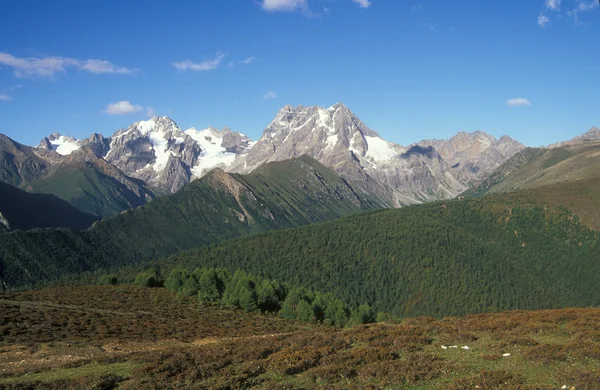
63, 145
219, 148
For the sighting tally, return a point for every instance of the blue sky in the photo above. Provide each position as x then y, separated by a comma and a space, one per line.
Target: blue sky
409, 69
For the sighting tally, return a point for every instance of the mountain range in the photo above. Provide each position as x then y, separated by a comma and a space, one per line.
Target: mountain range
106, 175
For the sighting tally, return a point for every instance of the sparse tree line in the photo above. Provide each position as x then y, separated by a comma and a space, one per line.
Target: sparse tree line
251, 293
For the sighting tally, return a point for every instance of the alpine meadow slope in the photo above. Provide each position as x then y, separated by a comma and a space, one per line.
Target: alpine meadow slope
536, 167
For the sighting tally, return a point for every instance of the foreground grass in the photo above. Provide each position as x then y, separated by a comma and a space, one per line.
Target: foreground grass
90, 372
512, 350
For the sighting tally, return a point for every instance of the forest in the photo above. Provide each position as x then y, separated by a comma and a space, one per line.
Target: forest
439, 259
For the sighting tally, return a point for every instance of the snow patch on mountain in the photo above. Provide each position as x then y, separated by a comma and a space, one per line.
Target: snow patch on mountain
379, 150
213, 153
161, 154
63, 145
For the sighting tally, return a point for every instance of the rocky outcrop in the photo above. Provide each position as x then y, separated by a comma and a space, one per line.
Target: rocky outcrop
473, 156
592, 134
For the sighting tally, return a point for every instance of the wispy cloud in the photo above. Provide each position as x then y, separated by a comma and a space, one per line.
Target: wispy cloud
200, 66
543, 20
150, 112
583, 6
587, 5
362, 3
284, 5
269, 95
301, 5
416, 7
571, 8
4, 98
122, 108
247, 61
553, 4
515, 102
48, 66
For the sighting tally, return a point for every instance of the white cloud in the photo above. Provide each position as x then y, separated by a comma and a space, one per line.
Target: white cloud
200, 66
150, 112
574, 10
247, 61
269, 95
589, 5
103, 66
122, 108
48, 66
4, 98
416, 7
284, 5
362, 3
518, 102
553, 4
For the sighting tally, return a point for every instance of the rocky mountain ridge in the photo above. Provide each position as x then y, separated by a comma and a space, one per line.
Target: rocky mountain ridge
165, 157
592, 134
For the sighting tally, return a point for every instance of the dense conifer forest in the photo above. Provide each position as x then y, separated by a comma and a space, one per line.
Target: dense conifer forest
439, 259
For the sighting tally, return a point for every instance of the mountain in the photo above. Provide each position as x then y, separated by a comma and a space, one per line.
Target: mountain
158, 152
165, 157
20, 210
475, 155
399, 175
92, 185
63, 145
592, 134
72, 171
338, 139
218, 206
20, 164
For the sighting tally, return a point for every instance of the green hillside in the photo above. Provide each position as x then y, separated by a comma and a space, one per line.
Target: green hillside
533, 168
217, 207
436, 259
90, 184
25, 211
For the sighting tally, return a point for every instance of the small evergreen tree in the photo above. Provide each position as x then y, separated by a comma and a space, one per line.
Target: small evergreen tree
148, 278
210, 287
176, 279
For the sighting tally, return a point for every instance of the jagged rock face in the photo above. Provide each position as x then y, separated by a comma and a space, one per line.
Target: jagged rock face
592, 134
234, 142
98, 144
473, 156
20, 164
337, 138
156, 151
219, 148
328, 135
